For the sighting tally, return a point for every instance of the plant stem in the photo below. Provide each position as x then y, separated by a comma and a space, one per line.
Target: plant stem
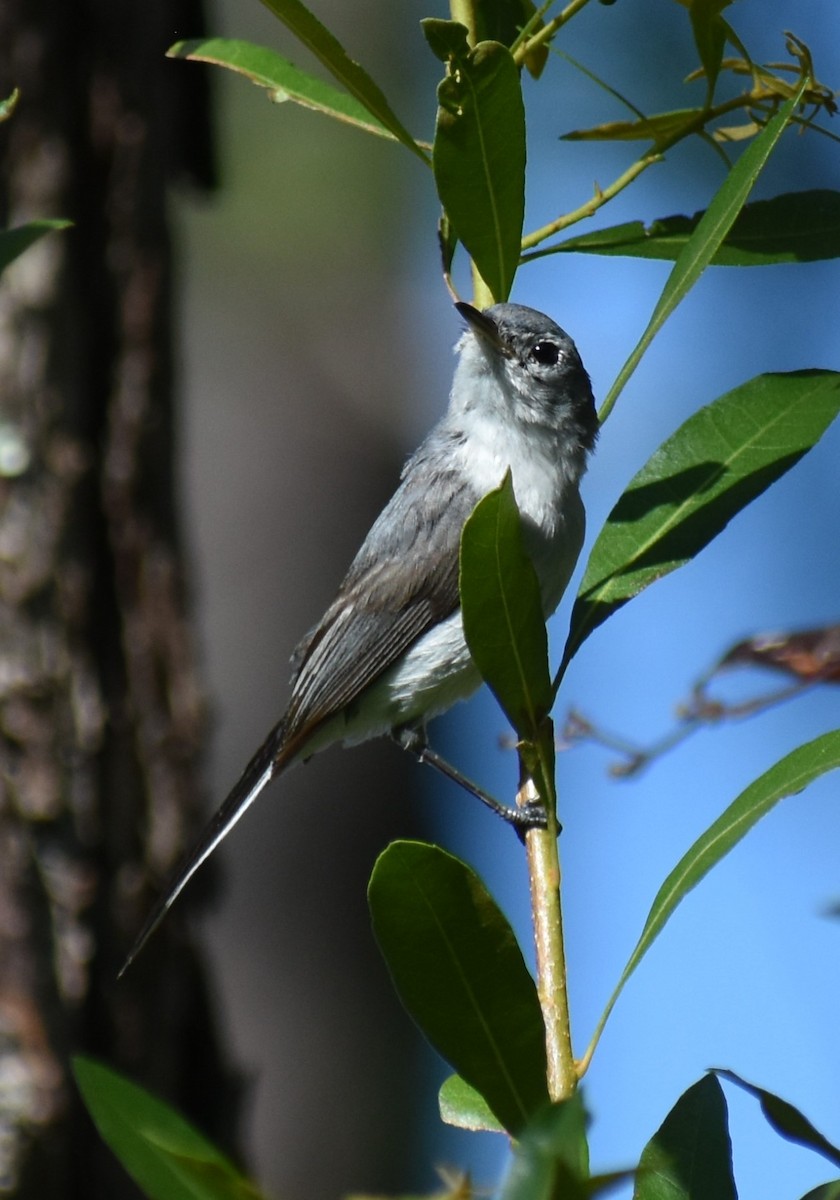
482, 296
694, 125
543, 856
589, 207
547, 32
466, 12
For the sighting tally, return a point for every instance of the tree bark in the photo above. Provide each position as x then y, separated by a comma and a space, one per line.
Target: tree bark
101, 711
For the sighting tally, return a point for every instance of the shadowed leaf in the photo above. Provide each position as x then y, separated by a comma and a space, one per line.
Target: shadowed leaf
785, 1119
551, 1158
690, 1155
479, 159
797, 227
503, 618
459, 972
13, 242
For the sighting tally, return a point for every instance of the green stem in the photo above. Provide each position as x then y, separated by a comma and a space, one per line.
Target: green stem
591, 206
541, 846
548, 31
466, 12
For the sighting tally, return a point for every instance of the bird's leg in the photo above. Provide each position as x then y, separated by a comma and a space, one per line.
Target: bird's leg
413, 739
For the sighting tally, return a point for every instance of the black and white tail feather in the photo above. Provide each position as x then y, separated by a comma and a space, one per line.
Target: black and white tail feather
257, 775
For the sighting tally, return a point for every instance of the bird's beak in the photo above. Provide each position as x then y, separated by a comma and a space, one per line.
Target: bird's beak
480, 323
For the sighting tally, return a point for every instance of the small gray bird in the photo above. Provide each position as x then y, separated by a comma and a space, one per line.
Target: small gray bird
389, 653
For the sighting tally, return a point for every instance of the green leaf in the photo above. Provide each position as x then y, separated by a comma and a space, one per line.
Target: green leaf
797, 227
788, 777
327, 49
713, 466
659, 128
826, 1191
690, 1155
551, 1158
502, 611
13, 242
8, 106
785, 1119
164, 1154
710, 33
460, 974
479, 160
462, 1106
447, 39
280, 78
703, 244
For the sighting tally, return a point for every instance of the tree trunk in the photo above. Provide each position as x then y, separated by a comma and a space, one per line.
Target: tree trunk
101, 713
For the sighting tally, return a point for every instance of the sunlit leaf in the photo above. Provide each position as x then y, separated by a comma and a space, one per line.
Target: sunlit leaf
8, 106
460, 974
719, 460
462, 1106
791, 775
281, 79
711, 231
657, 128
163, 1153
327, 49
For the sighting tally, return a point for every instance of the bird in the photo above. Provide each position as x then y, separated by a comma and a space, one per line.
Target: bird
389, 653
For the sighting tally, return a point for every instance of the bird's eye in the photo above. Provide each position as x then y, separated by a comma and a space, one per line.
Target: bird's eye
546, 353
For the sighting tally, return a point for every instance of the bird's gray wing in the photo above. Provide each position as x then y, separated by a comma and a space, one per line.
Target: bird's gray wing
403, 581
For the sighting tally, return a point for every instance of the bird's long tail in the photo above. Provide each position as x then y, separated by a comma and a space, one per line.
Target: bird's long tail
273, 755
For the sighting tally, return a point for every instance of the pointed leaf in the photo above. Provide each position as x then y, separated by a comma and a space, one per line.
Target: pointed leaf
281, 79
479, 160
713, 466
163, 1153
826, 1191
459, 972
703, 244
551, 1158
788, 777
710, 31
659, 128
462, 1106
785, 1119
8, 106
327, 49
797, 227
13, 242
502, 610
690, 1155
